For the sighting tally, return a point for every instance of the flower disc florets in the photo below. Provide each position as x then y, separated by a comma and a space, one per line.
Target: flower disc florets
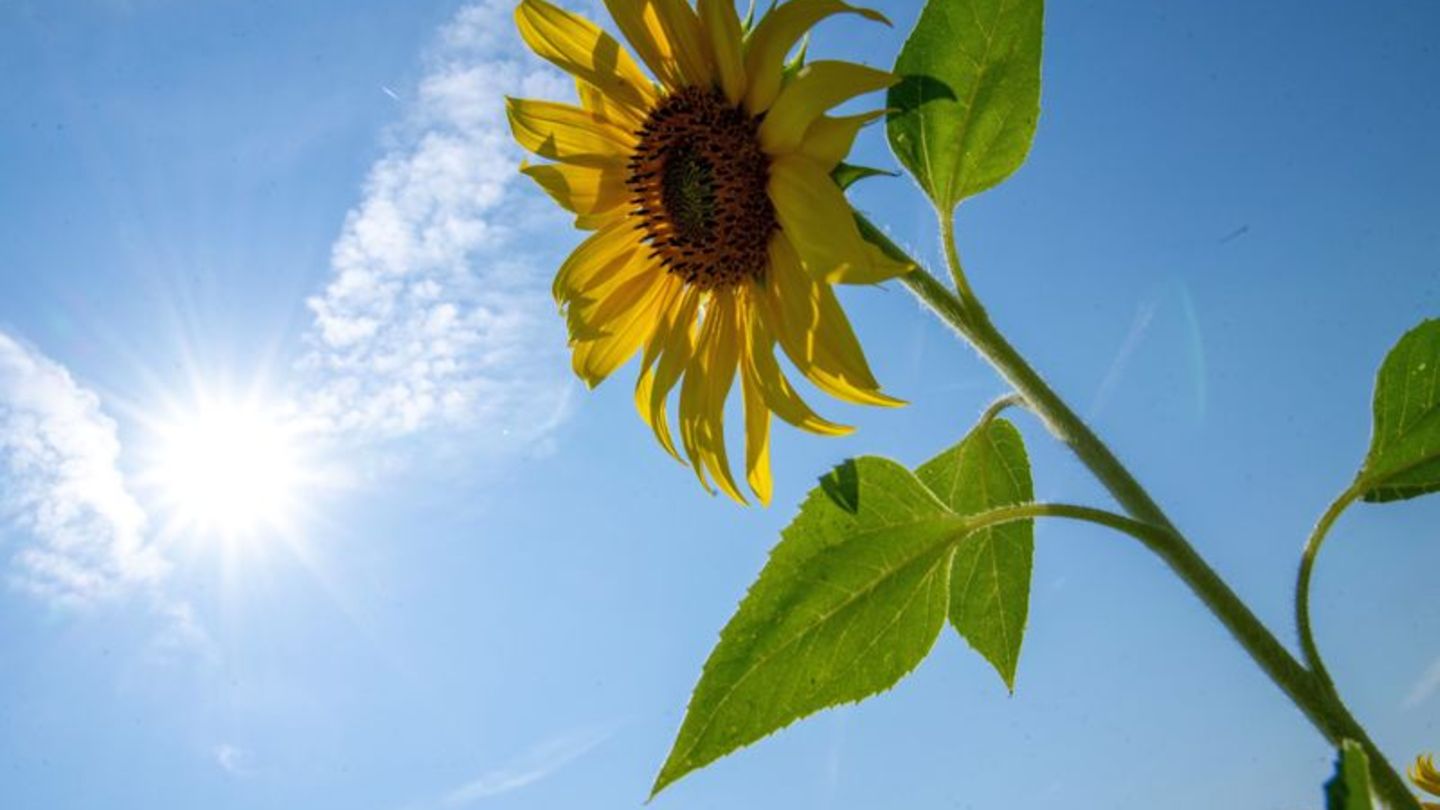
698, 181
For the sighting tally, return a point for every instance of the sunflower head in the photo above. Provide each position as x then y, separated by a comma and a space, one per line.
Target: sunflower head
717, 230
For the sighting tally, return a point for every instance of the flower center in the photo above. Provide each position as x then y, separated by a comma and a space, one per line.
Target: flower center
698, 181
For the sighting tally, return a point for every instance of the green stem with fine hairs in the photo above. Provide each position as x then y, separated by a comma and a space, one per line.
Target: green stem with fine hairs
1302, 586
968, 318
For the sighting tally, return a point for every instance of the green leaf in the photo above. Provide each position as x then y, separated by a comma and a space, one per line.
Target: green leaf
1404, 458
969, 97
852, 598
1349, 788
990, 574
848, 174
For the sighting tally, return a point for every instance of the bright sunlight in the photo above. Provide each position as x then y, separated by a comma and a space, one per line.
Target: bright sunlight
232, 469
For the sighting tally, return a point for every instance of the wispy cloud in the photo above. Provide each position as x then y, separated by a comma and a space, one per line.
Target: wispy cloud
83, 533
530, 767
436, 312
1424, 687
76, 536
436, 315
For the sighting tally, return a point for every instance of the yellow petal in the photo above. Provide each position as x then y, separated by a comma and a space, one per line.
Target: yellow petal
594, 316
881, 268
579, 47
595, 260
819, 222
567, 134
757, 433
722, 25
704, 390
777, 392
673, 348
594, 222
691, 51
806, 318
639, 21
607, 109
667, 35
774, 36
581, 189
818, 87
829, 140
1425, 775
594, 360
650, 400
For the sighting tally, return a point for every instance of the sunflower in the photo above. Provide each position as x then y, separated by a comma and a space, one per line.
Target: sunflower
1426, 777
718, 230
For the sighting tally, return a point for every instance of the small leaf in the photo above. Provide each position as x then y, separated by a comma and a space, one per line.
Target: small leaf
848, 174
1404, 457
990, 575
851, 600
1349, 788
969, 97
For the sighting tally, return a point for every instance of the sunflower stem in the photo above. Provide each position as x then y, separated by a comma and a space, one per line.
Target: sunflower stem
1301, 685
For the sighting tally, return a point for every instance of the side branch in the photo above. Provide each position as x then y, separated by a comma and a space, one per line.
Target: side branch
968, 318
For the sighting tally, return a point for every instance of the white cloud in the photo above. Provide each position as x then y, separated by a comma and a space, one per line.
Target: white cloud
437, 312
61, 489
75, 535
528, 768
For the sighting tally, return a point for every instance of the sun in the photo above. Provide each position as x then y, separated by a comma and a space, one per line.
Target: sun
230, 469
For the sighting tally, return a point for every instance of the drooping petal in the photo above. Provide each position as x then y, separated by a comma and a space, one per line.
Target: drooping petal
819, 222
882, 268
595, 260
579, 47
774, 36
592, 317
567, 134
1425, 775
757, 430
811, 327
722, 27
672, 345
594, 360
828, 140
777, 392
703, 392
582, 189
818, 87
673, 339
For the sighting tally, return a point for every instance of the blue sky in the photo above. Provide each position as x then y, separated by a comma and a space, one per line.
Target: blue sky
491, 589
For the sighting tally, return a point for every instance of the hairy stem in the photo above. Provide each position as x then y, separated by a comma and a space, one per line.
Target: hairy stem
957, 270
1302, 587
970, 321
